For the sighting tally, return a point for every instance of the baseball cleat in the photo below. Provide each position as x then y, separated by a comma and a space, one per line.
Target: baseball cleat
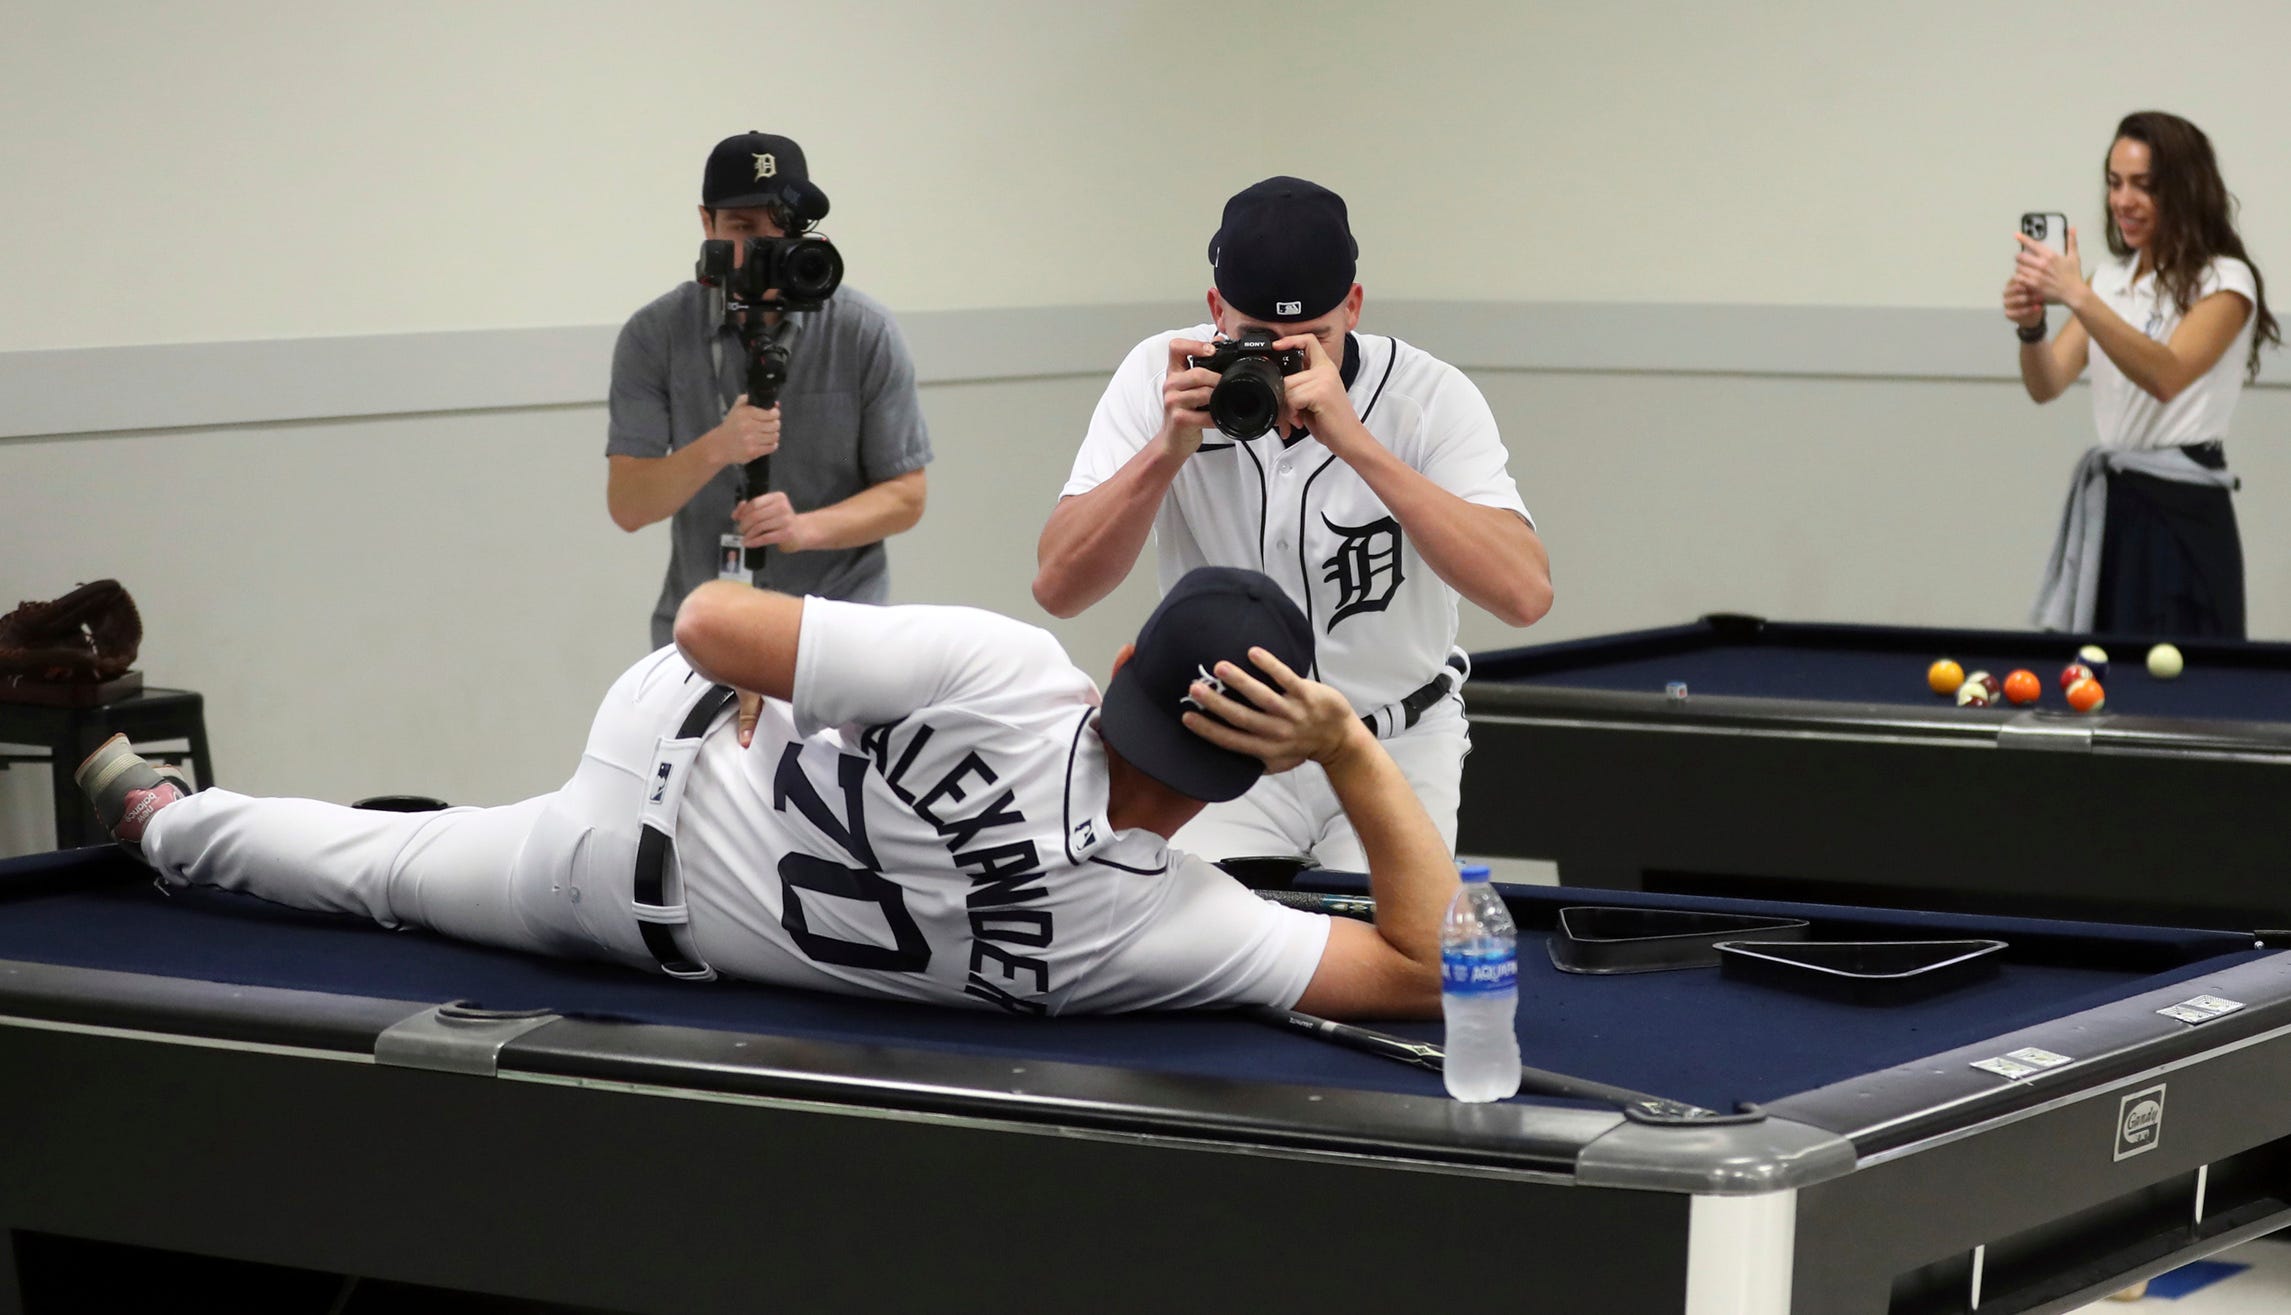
127, 791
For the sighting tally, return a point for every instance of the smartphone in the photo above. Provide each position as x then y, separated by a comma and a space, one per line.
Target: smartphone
2047, 227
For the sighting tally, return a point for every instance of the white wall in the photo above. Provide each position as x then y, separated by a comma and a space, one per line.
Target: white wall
433, 601
258, 168
434, 604
1785, 151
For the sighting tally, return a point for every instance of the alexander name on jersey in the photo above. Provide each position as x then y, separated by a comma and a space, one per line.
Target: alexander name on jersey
989, 846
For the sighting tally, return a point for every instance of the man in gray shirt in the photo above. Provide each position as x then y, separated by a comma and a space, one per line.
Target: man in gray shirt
850, 474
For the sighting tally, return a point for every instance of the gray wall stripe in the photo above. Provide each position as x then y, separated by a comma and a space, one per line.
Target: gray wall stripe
188, 385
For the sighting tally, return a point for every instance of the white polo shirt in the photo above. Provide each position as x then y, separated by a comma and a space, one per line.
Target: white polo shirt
1382, 620
2127, 415
927, 820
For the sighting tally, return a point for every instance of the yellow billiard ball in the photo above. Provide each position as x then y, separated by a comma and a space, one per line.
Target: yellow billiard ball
1944, 676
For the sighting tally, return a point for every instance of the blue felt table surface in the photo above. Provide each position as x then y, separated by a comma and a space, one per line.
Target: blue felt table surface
1879, 672
1689, 1035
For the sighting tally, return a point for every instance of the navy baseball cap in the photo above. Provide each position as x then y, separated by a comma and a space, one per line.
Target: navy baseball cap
1284, 251
1215, 614
759, 169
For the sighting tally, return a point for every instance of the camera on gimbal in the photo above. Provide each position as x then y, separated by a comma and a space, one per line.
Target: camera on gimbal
1249, 396
805, 271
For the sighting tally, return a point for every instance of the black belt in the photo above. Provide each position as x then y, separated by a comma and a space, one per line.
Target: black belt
1419, 701
653, 847
2211, 454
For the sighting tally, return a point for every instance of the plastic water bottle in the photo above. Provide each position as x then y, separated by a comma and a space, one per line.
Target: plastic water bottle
1479, 992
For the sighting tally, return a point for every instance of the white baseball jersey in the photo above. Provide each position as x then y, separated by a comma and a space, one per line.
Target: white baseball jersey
1382, 621
927, 819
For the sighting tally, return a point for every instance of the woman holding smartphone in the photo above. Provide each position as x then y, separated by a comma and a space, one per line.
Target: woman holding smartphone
2148, 543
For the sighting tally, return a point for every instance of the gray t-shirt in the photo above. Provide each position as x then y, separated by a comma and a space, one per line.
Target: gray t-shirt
849, 419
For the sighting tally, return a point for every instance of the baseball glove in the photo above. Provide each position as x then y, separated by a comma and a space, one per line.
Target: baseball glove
89, 635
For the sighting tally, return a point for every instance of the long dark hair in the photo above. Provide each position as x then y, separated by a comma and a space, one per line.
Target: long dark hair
2195, 217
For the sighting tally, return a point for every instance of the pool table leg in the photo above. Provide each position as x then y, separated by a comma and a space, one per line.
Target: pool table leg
1739, 1252
11, 1291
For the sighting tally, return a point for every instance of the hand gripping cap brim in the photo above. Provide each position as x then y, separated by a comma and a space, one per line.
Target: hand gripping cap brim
1215, 614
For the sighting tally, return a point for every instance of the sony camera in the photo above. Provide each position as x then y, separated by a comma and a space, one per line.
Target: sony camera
805, 271
1249, 396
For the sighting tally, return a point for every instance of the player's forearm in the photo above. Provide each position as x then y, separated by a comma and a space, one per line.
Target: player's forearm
738, 635
1093, 539
871, 515
1487, 554
641, 490
1410, 871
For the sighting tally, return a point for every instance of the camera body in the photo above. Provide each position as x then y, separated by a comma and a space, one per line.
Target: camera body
805, 271
1249, 396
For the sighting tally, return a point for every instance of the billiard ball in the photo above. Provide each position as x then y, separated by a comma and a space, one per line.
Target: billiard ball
2074, 672
1972, 695
2165, 662
1989, 684
2094, 659
1944, 676
2023, 686
2086, 695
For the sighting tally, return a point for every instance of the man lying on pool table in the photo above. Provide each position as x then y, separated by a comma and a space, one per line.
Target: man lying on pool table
928, 803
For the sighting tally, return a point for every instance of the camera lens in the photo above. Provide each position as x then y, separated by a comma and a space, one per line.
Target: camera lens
812, 271
1248, 399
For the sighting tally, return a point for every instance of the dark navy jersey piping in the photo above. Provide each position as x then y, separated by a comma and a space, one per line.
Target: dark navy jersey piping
1304, 499
1304, 572
1389, 362
1073, 756
1264, 499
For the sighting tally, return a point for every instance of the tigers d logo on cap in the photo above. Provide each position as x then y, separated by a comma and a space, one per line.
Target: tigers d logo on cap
761, 169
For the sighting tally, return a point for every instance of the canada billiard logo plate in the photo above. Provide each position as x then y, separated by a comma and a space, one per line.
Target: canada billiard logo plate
2140, 1122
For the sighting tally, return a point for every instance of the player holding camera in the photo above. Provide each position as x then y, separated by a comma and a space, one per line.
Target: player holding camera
683, 433
1364, 475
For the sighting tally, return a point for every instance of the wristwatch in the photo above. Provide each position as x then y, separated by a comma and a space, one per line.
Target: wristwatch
2029, 333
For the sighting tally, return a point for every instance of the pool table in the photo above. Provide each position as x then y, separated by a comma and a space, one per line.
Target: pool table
213, 1077
1812, 762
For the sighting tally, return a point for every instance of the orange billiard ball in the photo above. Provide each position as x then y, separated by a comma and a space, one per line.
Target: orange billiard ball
1944, 676
2086, 695
2023, 687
